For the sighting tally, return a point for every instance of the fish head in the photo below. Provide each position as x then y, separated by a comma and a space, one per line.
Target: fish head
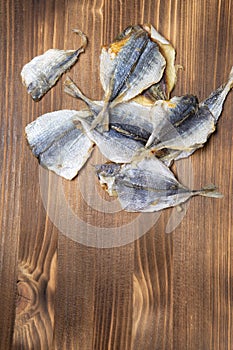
107, 170
106, 174
180, 108
37, 89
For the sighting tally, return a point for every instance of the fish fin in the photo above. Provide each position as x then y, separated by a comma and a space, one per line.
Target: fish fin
83, 38
210, 191
179, 208
102, 119
217, 98
71, 89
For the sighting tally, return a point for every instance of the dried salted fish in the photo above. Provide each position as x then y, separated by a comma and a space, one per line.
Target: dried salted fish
131, 64
179, 138
169, 53
58, 144
146, 185
43, 71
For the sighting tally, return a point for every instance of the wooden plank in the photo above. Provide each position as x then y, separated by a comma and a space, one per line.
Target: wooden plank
163, 291
202, 245
10, 170
34, 321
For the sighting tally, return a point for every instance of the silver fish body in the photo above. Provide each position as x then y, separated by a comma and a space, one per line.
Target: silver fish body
192, 128
187, 137
146, 185
128, 66
172, 129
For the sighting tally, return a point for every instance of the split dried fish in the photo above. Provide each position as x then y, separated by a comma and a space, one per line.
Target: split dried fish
179, 137
147, 185
58, 144
43, 71
130, 65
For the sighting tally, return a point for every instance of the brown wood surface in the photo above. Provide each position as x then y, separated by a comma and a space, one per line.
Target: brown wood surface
162, 291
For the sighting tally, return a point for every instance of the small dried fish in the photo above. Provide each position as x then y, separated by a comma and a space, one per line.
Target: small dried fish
168, 115
58, 144
131, 64
178, 138
146, 185
43, 71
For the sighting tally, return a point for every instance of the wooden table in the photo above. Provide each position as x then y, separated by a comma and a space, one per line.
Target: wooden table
161, 291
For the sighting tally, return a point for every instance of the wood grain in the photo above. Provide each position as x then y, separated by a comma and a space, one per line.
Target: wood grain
163, 290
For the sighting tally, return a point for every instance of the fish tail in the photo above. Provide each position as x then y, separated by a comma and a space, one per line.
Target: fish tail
210, 191
83, 38
102, 119
216, 99
71, 89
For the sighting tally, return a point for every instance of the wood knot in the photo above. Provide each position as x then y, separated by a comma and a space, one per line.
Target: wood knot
33, 305
25, 296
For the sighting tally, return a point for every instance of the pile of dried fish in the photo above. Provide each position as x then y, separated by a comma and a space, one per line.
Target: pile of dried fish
137, 126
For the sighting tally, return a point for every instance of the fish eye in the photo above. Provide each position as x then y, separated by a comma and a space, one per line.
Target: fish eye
32, 85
